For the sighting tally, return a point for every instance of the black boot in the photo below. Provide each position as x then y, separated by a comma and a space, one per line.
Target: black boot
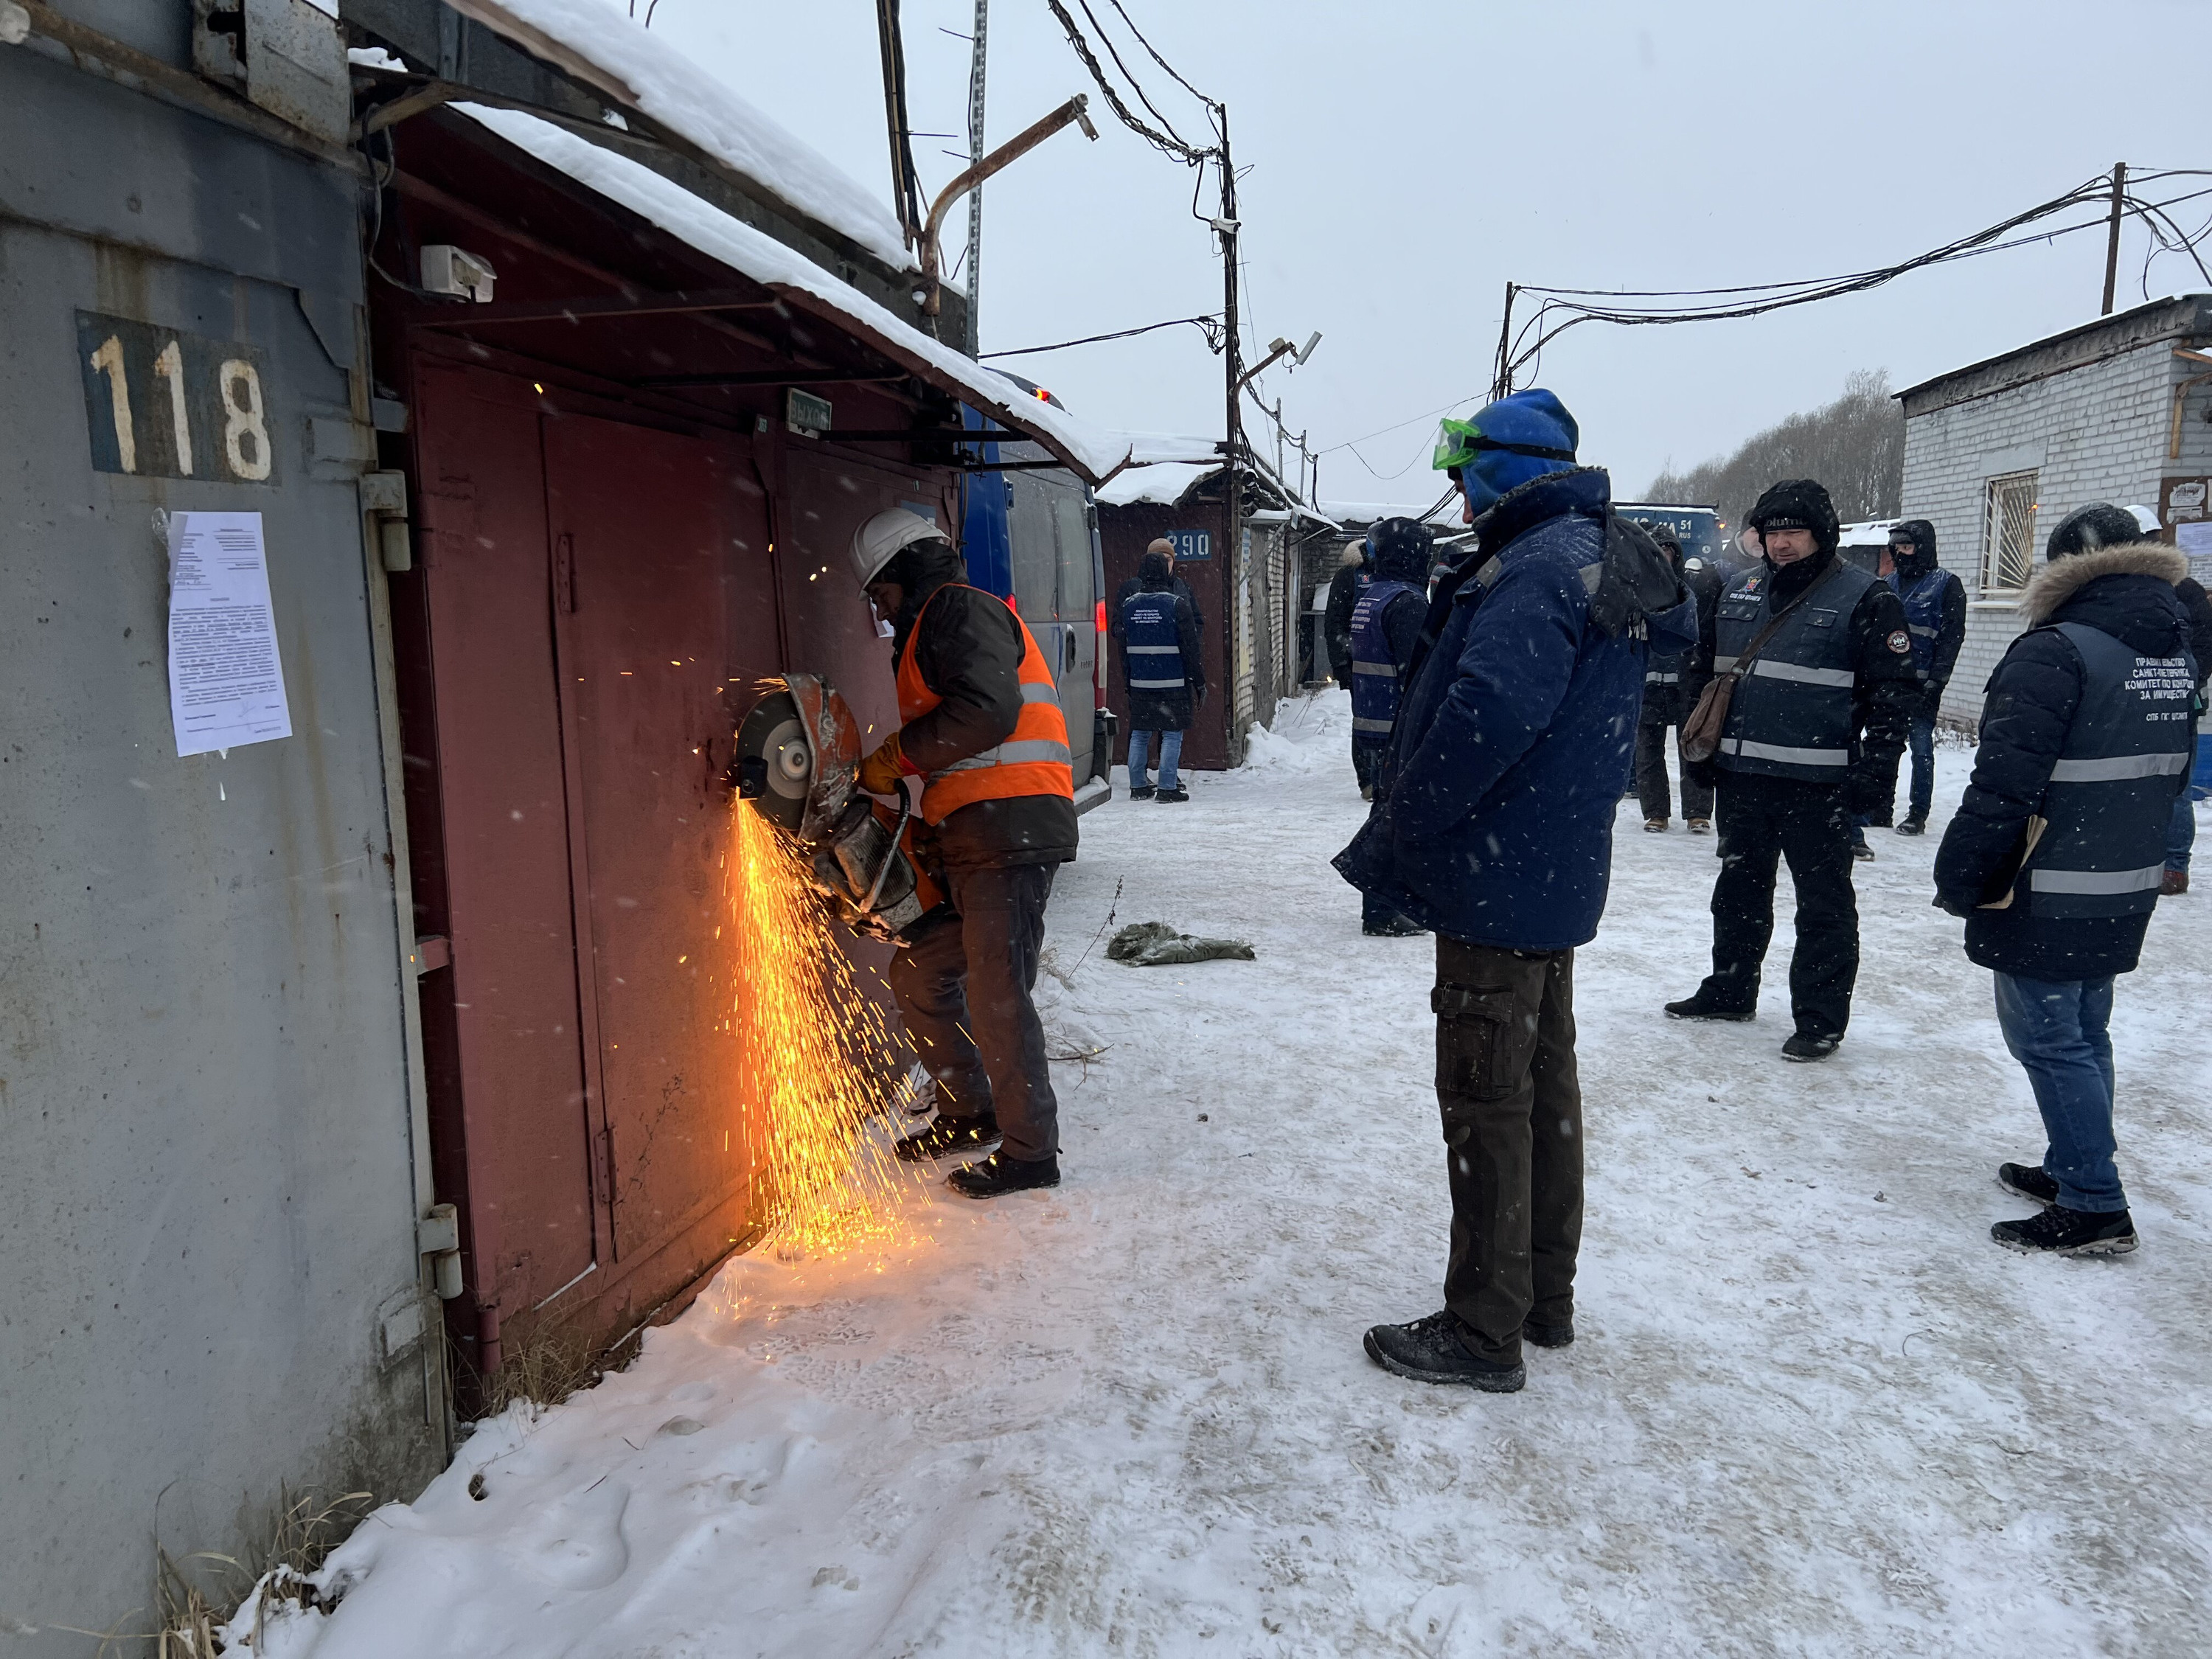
2061, 1232
1809, 1045
999, 1174
948, 1135
1394, 927
1704, 1005
2028, 1181
1548, 1336
1916, 824
1430, 1351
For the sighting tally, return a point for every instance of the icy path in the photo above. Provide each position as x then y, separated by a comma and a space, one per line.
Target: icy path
1812, 1409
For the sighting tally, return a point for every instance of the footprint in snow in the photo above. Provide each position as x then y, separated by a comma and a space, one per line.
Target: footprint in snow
576, 1541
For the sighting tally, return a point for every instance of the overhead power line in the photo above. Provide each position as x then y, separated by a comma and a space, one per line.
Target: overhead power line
1208, 322
1169, 142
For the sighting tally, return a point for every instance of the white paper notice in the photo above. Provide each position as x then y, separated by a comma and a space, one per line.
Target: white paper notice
226, 684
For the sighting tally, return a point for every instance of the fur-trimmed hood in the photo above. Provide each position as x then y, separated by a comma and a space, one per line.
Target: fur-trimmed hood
2060, 580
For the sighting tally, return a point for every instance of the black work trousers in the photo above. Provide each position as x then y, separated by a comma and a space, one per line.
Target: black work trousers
1763, 820
963, 986
1512, 1108
1367, 757
1651, 791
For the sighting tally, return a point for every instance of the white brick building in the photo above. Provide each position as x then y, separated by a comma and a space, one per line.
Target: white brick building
1996, 453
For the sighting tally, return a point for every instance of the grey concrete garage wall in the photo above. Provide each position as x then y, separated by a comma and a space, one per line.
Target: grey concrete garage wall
207, 1196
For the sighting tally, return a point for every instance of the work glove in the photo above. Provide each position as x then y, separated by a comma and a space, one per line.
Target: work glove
1704, 775
1951, 904
1871, 786
1931, 701
882, 770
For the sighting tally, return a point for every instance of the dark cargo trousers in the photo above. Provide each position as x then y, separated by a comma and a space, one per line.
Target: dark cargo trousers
1512, 1106
1762, 821
1652, 793
964, 987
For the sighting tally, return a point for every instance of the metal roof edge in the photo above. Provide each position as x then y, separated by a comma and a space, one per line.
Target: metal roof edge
2198, 308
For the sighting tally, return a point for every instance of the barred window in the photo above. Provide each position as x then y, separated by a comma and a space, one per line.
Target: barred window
2008, 532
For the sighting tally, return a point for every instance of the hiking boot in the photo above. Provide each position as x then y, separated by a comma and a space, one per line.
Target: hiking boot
1397, 927
1807, 1045
1862, 852
1916, 824
998, 1174
1701, 826
2172, 883
1702, 1006
1430, 1351
1143, 792
1548, 1336
1367, 791
1655, 826
2028, 1181
2061, 1232
948, 1135
1177, 793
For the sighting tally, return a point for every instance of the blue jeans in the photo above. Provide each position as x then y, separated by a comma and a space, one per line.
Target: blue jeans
2181, 833
2055, 1030
1140, 749
1920, 738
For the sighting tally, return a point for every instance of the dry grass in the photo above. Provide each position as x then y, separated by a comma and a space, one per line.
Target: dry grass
544, 1363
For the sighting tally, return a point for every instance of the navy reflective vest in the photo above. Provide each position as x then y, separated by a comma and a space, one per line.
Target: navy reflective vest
1374, 671
1152, 644
2110, 795
1791, 714
1923, 613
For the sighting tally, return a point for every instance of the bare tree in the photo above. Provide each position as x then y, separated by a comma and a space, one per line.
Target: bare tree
1854, 446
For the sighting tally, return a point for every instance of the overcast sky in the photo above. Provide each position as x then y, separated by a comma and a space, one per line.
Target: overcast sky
1402, 159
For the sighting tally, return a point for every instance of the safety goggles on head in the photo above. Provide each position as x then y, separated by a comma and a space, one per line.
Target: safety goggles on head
1459, 442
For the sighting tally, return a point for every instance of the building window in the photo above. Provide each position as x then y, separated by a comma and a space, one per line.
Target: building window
2009, 533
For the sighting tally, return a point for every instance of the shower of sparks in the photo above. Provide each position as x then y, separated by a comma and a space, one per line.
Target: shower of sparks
816, 1054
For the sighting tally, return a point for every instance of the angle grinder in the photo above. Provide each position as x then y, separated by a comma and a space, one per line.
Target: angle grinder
798, 765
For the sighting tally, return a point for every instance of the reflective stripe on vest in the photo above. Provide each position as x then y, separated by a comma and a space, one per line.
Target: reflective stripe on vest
1374, 671
2110, 800
1656, 678
1035, 760
1151, 642
1791, 714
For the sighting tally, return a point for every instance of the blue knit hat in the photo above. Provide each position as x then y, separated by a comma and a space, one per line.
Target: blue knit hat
1519, 437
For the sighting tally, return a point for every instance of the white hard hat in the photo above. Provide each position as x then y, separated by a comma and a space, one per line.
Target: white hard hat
876, 542
2147, 519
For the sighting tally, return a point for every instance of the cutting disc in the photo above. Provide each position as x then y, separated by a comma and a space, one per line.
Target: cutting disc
775, 733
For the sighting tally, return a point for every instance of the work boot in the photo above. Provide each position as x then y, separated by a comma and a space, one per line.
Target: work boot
1142, 792
1175, 794
1810, 1045
1548, 1336
2028, 1181
1861, 851
1916, 824
1655, 826
1397, 927
1702, 1006
1430, 1351
2061, 1232
998, 1174
1701, 826
1367, 791
2173, 883
948, 1135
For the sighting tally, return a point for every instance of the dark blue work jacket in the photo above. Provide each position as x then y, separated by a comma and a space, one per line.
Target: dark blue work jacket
1374, 668
1793, 714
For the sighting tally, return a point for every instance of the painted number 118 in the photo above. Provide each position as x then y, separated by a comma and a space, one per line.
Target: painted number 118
165, 404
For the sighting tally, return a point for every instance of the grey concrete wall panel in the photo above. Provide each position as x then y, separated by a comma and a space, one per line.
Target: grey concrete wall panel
206, 1195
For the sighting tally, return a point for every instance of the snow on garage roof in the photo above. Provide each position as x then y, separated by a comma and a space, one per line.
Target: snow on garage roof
1161, 483
1091, 450
604, 49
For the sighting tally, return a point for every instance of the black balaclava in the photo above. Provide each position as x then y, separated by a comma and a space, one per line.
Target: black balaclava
1917, 563
920, 568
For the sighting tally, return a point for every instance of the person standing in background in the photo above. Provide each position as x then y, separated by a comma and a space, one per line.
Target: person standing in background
1935, 603
2181, 836
1671, 685
1166, 549
1386, 625
1163, 674
2054, 855
1352, 575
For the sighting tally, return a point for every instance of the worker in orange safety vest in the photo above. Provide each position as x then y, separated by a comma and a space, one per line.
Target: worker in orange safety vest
981, 727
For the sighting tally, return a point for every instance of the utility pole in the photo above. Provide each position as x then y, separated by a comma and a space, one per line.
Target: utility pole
2112, 236
1501, 381
906, 190
975, 196
1233, 503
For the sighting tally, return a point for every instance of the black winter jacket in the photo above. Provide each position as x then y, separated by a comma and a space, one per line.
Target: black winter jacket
1344, 590
970, 653
1670, 705
1166, 711
1884, 697
2127, 592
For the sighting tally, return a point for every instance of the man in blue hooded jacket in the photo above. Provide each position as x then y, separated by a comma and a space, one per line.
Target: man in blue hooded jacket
1511, 749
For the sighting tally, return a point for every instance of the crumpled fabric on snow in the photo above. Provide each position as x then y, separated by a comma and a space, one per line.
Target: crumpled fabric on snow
1156, 944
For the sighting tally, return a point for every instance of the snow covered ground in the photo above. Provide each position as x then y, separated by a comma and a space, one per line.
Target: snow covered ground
1812, 1409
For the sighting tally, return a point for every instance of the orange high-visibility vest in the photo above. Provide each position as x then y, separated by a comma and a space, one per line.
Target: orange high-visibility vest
1034, 761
